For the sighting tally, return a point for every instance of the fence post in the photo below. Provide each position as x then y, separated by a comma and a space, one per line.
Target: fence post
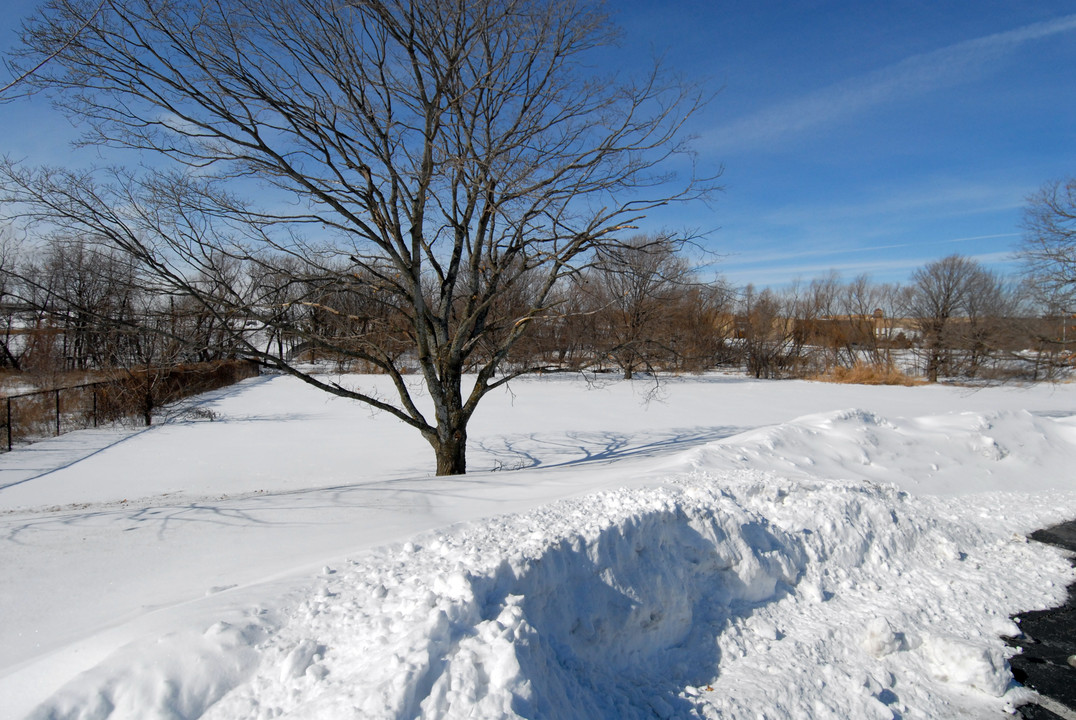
95, 405
9, 424
57, 412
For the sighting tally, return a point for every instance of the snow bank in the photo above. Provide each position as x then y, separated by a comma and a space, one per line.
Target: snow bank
178, 676
751, 561
603, 607
950, 454
705, 598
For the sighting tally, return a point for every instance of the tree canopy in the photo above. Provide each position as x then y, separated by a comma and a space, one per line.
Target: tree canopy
448, 160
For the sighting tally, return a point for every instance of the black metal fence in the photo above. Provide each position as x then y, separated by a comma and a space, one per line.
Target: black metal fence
131, 398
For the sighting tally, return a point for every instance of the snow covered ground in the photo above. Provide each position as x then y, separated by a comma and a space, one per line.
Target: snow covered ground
729, 549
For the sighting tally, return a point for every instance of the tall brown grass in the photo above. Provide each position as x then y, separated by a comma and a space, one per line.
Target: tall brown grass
867, 374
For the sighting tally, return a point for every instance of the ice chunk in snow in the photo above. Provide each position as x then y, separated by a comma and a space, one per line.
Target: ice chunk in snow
963, 663
298, 660
764, 629
879, 639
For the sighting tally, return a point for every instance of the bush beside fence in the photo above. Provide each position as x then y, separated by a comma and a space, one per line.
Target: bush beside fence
134, 396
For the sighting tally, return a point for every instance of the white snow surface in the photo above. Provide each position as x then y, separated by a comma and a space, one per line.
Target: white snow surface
717, 548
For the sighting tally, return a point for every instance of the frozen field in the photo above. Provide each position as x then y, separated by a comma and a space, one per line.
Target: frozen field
729, 548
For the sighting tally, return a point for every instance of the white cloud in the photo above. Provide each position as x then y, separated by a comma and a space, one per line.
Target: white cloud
914, 75
983, 237
933, 198
888, 269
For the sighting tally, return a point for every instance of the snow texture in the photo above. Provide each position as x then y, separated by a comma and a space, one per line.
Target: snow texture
833, 564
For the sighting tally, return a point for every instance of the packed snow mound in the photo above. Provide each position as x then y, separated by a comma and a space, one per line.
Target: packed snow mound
851, 563
623, 604
945, 454
602, 608
178, 676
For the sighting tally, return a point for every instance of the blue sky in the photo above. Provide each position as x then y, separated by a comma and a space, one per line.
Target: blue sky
871, 137
863, 137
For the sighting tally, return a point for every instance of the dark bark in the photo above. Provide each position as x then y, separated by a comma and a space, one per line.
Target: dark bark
450, 448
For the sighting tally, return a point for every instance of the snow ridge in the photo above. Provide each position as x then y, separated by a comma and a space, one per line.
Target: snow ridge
611, 620
936, 452
590, 621
622, 604
777, 569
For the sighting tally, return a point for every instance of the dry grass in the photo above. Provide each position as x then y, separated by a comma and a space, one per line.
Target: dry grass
868, 374
33, 416
15, 383
125, 399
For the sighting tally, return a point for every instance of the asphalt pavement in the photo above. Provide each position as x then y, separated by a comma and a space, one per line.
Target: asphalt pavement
1047, 661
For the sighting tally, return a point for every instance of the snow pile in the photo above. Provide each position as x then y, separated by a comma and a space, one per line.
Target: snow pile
947, 454
597, 608
681, 601
179, 675
847, 563
899, 612
602, 608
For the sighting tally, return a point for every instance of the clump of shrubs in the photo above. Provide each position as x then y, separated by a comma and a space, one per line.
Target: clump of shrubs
868, 374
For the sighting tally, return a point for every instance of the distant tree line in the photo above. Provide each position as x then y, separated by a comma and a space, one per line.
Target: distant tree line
637, 307
74, 306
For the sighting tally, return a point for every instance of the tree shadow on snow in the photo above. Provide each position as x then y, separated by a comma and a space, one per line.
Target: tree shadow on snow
518, 452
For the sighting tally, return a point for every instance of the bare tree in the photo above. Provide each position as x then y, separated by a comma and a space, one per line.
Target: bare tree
21, 75
870, 307
98, 313
11, 307
991, 331
701, 323
938, 302
766, 332
1049, 254
1049, 245
817, 327
90, 297
439, 156
636, 288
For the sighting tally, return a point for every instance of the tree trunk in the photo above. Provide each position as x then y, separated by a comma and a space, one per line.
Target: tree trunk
10, 358
451, 451
147, 400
